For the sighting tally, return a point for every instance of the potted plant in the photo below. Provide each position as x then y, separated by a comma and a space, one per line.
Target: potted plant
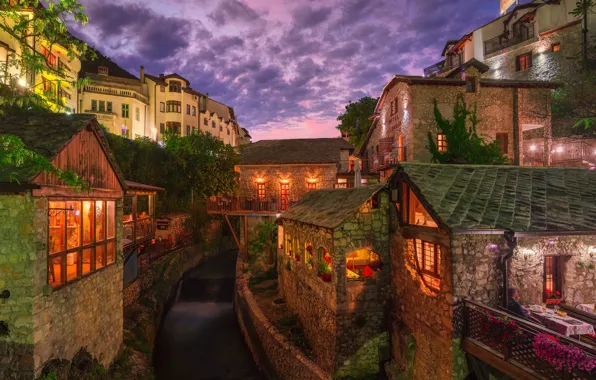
309, 263
309, 248
297, 257
553, 298
499, 330
325, 271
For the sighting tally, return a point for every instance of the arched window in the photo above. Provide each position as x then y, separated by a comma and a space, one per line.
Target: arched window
325, 264
363, 264
308, 252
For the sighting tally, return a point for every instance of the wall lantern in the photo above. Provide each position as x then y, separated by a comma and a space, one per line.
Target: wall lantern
493, 246
559, 149
260, 180
285, 181
532, 148
312, 180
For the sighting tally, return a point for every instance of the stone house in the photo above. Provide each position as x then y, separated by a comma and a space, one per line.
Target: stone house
61, 249
470, 232
333, 273
510, 112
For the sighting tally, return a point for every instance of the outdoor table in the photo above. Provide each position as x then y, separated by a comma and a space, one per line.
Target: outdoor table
586, 307
566, 326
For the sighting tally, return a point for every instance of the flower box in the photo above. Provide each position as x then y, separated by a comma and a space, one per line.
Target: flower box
326, 277
297, 257
553, 301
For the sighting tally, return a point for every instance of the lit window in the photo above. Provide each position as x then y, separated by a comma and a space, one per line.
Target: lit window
442, 142
324, 264
162, 107
428, 261
311, 186
524, 61
342, 183
51, 59
260, 191
552, 277
362, 264
413, 212
102, 70
503, 141
285, 195
81, 239
556, 47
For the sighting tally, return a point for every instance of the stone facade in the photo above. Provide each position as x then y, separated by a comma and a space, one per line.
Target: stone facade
297, 176
45, 323
500, 109
343, 320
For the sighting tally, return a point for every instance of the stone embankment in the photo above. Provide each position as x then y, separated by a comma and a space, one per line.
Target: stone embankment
274, 355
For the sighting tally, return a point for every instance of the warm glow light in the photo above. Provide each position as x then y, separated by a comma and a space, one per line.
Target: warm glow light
260, 180
533, 148
22, 82
277, 215
559, 149
285, 181
312, 180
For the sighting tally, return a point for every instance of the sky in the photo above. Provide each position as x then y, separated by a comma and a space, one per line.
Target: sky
287, 67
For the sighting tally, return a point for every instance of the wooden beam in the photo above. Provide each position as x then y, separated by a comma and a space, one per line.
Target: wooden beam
233, 232
495, 360
246, 237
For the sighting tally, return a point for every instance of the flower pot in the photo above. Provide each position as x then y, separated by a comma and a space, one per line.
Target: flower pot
553, 301
297, 257
326, 277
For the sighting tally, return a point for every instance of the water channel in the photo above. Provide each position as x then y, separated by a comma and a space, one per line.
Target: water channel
200, 338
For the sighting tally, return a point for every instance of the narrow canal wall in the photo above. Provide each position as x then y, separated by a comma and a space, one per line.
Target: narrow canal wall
147, 299
274, 355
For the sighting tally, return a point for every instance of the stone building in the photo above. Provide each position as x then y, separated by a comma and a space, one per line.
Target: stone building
470, 232
509, 111
333, 273
61, 249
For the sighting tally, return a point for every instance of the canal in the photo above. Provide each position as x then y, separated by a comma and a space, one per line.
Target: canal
200, 338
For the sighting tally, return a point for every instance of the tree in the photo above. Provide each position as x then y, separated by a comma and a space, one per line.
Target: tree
355, 121
464, 146
32, 25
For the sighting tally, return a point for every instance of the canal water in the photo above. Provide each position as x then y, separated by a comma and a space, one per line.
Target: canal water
200, 338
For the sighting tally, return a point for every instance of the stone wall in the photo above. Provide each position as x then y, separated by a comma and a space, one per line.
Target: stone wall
296, 175
344, 321
578, 260
274, 355
17, 254
86, 313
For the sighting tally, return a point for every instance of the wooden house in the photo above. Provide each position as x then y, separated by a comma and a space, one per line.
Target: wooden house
60, 248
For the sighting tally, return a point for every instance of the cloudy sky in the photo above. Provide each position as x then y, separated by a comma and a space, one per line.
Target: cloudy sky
288, 67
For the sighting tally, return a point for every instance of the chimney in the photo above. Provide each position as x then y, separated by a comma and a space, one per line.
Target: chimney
142, 74
161, 76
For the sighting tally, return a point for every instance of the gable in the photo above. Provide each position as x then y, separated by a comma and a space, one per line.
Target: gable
85, 156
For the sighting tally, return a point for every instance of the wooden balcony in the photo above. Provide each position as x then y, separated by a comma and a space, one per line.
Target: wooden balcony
565, 152
518, 357
383, 160
247, 205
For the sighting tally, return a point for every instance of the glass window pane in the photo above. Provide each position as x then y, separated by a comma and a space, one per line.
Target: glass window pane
55, 271
87, 260
100, 228
111, 252
73, 224
111, 212
72, 261
88, 222
57, 217
99, 256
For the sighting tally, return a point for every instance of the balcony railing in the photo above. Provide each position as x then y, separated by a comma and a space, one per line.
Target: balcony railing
499, 43
518, 354
268, 205
563, 153
384, 159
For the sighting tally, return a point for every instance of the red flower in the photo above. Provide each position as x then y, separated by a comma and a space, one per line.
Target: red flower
550, 337
558, 293
549, 292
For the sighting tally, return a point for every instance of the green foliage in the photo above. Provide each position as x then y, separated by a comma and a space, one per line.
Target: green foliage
15, 155
288, 266
361, 110
49, 376
265, 237
464, 146
32, 24
324, 268
190, 168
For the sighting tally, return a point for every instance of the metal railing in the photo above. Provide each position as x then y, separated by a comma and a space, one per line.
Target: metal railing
384, 159
271, 205
502, 42
518, 350
563, 153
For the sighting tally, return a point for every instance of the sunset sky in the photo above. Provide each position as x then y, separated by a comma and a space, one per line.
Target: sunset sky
287, 67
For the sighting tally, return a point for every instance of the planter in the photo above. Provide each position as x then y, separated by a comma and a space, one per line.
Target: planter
326, 277
553, 301
298, 258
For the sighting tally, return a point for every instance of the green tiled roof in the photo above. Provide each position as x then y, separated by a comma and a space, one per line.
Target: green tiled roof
516, 198
294, 151
329, 208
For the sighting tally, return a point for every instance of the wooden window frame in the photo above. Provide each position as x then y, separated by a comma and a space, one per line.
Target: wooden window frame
310, 186
194, 111
555, 47
108, 106
261, 191
502, 139
526, 59
471, 84
102, 70
162, 106
421, 255
188, 109
441, 142
82, 247
284, 195
125, 110
173, 106
175, 86
556, 271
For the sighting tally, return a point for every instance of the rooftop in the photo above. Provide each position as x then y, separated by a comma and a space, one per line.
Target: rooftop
514, 198
294, 151
329, 208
